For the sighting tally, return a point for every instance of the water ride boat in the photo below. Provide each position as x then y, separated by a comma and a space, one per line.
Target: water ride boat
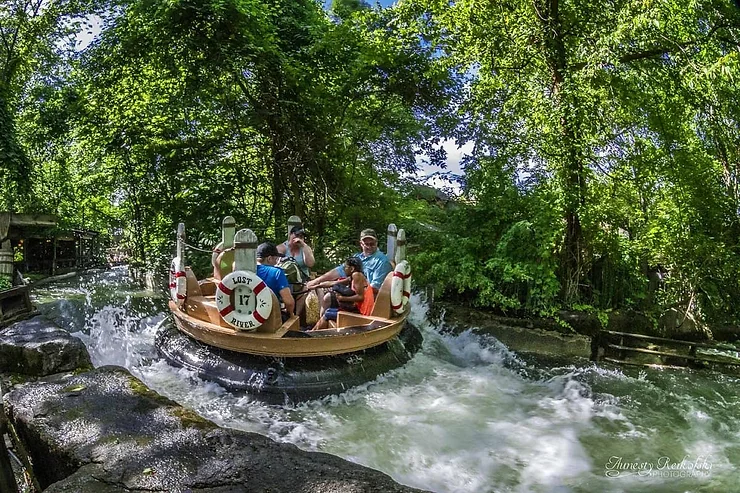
228, 328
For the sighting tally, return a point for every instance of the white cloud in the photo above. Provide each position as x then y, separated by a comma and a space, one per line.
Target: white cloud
93, 24
455, 155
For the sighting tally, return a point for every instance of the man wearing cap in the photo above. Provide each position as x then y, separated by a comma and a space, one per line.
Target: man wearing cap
375, 265
274, 277
297, 248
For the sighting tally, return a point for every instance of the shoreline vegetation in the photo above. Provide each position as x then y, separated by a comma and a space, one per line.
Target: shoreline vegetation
542, 157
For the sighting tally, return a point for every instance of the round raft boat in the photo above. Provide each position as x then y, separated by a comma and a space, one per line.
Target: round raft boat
278, 380
228, 328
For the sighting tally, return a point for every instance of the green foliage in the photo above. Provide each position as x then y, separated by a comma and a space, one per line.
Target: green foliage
618, 125
605, 137
5, 283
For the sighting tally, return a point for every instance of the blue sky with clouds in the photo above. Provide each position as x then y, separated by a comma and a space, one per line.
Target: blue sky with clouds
384, 3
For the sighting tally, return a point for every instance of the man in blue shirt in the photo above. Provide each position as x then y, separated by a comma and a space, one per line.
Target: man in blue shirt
375, 264
274, 277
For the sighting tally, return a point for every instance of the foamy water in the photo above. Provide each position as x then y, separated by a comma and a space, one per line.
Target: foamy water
466, 414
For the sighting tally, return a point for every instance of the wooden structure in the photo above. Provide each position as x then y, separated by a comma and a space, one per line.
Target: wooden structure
42, 246
642, 350
15, 305
197, 313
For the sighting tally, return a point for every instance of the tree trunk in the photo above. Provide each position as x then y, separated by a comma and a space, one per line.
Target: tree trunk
571, 170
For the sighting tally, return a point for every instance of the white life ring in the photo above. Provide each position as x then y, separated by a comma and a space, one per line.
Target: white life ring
401, 287
178, 282
243, 300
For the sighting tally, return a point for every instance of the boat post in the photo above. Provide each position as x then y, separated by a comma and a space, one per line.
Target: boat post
293, 221
228, 228
245, 250
181, 242
390, 250
401, 247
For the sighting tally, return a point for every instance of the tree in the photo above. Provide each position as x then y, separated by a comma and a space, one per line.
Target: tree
257, 109
566, 94
34, 38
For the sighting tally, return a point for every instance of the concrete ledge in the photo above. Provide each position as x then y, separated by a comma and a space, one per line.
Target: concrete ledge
522, 335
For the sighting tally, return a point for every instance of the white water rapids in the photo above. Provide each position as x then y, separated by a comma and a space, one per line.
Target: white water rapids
466, 414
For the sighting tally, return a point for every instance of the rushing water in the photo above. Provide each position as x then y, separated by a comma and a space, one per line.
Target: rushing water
466, 414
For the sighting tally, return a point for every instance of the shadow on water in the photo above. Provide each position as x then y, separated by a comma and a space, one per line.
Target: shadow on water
466, 414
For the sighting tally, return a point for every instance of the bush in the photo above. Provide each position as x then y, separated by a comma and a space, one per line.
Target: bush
5, 283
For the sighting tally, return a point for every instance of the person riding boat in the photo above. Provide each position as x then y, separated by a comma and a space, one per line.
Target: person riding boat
375, 264
352, 294
297, 248
274, 277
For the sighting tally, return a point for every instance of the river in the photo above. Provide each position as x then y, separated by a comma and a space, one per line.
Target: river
466, 414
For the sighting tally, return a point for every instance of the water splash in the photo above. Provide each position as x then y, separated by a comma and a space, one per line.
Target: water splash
466, 414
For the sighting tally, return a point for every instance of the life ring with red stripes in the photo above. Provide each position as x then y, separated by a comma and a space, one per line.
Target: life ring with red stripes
178, 282
243, 300
401, 287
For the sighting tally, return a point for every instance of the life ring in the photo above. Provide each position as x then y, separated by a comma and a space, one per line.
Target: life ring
178, 282
401, 287
243, 300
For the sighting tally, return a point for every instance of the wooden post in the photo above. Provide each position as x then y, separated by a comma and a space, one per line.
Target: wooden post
401, 247
390, 250
54, 256
4, 226
25, 255
245, 250
6, 258
293, 221
7, 477
226, 261
228, 229
181, 242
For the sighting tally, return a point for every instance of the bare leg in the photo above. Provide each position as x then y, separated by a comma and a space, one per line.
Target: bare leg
321, 324
322, 294
325, 302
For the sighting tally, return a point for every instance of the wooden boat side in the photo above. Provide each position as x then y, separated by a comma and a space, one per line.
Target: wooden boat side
198, 317
320, 343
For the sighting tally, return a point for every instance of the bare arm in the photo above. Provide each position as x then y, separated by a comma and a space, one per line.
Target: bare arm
332, 275
288, 300
308, 256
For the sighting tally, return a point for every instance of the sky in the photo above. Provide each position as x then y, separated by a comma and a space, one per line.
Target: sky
384, 3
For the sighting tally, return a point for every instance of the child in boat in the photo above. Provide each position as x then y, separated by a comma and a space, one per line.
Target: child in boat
350, 294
